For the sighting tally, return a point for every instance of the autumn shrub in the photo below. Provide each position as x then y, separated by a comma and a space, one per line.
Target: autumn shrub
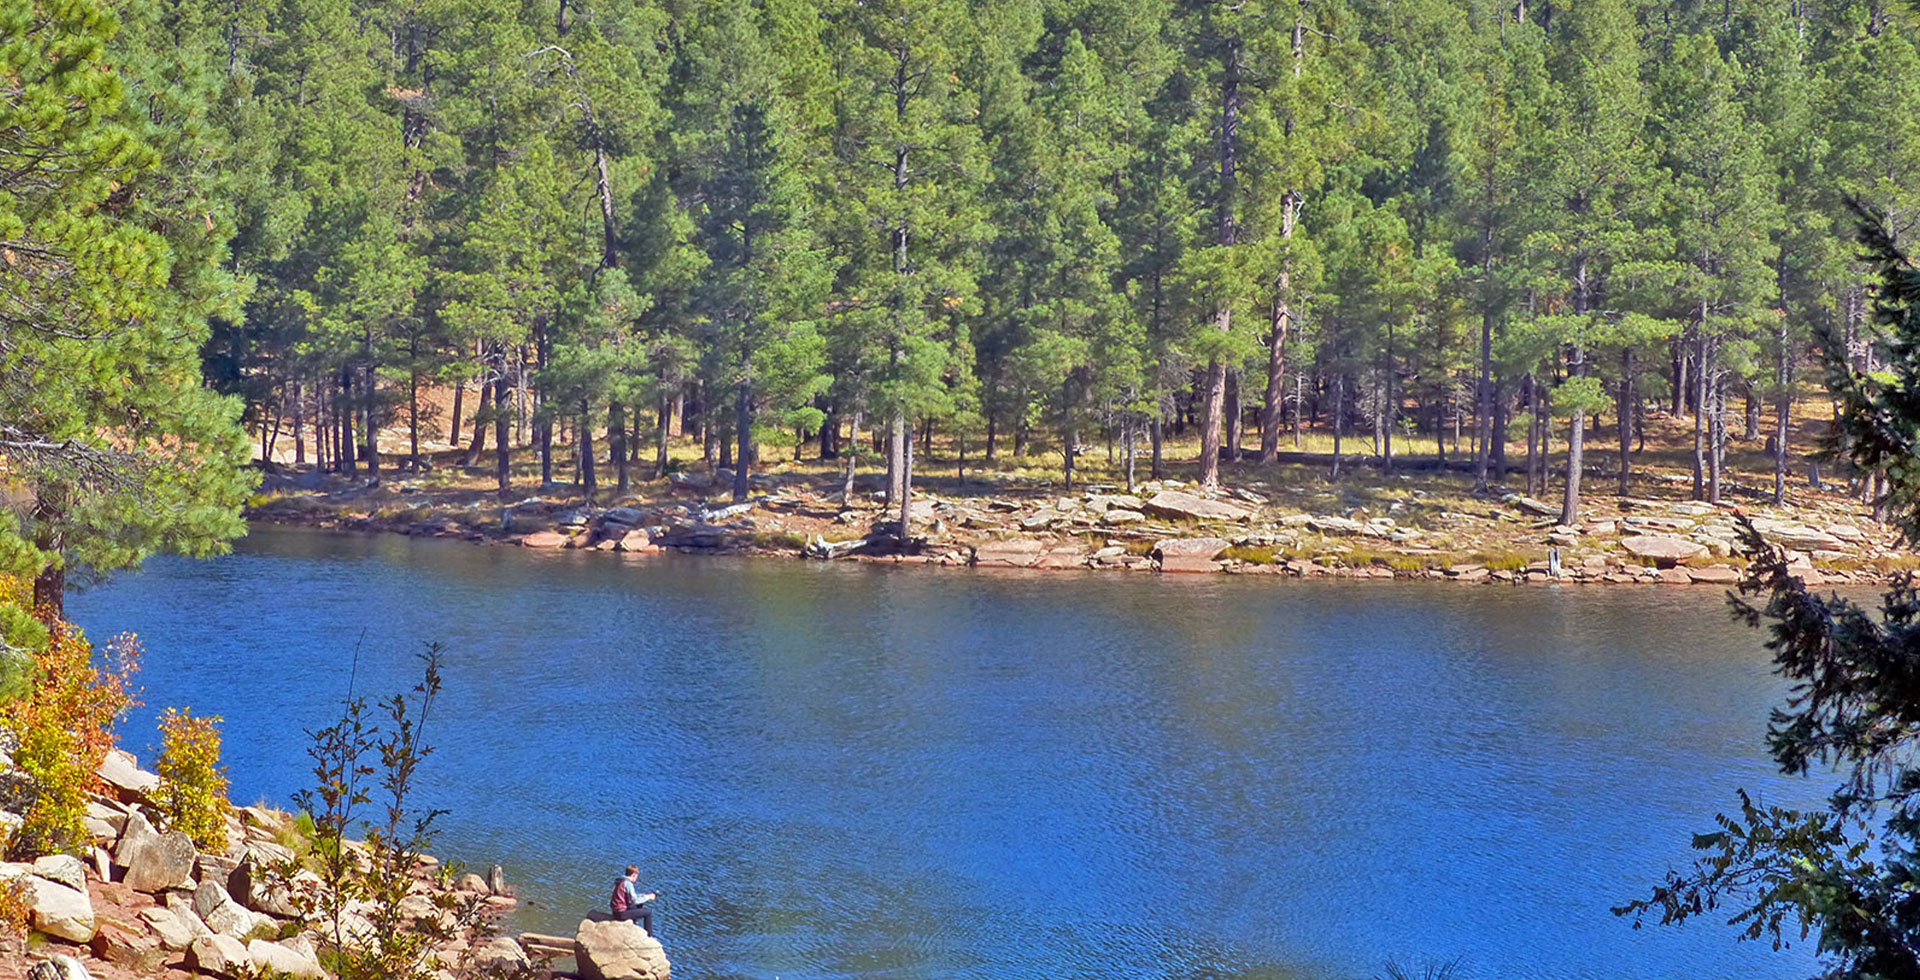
192, 795
63, 725
15, 911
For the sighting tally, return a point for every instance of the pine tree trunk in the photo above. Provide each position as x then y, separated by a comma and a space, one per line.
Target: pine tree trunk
1232, 417
853, 456
1782, 410
1280, 321
453, 424
479, 444
617, 445
1700, 405
1716, 410
1216, 398
589, 477
906, 481
1624, 404
543, 423
743, 428
662, 432
1156, 436
1226, 236
299, 440
502, 419
369, 399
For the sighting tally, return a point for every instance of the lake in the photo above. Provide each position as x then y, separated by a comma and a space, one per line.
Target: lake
898, 772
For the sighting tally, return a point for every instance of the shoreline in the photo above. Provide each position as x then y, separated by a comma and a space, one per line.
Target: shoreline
1164, 527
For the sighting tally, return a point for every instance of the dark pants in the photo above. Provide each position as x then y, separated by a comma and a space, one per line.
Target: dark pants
637, 913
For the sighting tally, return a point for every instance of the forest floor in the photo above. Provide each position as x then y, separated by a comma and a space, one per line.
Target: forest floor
1420, 518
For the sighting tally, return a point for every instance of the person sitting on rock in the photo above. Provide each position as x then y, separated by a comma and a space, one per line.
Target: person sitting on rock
628, 904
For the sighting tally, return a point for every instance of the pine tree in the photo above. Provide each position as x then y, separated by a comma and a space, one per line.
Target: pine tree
911, 161
1596, 184
114, 263
1723, 215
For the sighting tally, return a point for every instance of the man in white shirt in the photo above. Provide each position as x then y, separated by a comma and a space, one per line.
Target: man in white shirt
628, 903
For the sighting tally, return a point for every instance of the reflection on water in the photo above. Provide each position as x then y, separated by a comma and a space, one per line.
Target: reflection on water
836, 770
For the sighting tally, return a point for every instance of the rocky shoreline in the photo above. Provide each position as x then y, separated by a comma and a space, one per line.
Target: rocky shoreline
1162, 526
148, 903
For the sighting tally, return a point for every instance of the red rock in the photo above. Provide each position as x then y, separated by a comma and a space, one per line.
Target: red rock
544, 539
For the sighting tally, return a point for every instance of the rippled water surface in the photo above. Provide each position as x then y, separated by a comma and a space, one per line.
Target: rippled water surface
840, 771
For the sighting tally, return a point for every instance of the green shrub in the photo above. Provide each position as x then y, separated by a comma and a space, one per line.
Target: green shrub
1503, 561
1252, 554
192, 795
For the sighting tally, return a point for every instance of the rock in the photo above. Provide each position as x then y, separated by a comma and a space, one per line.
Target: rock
624, 515
1119, 516
1663, 550
62, 868
1014, 553
1675, 576
123, 773
1189, 554
272, 958
220, 912
1529, 505
154, 861
59, 911
1347, 527
1796, 538
544, 539
266, 818
618, 951
217, 868
497, 880
472, 883
501, 955
1692, 508
173, 932
112, 816
1057, 559
635, 540
1181, 505
1714, 575
135, 951
59, 967
218, 955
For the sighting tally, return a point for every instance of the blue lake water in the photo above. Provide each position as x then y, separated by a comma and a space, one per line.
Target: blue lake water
854, 771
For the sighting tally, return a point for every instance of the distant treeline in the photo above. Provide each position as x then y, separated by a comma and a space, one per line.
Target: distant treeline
1017, 224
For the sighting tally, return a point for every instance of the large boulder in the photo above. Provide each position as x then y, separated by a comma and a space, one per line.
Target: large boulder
122, 772
545, 539
1664, 551
221, 913
63, 868
123, 946
1796, 538
173, 932
280, 958
154, 861
1189, 554
219, 955
1012, 553
501, 955
1181, 505
60, 911
255, 885
619, 951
